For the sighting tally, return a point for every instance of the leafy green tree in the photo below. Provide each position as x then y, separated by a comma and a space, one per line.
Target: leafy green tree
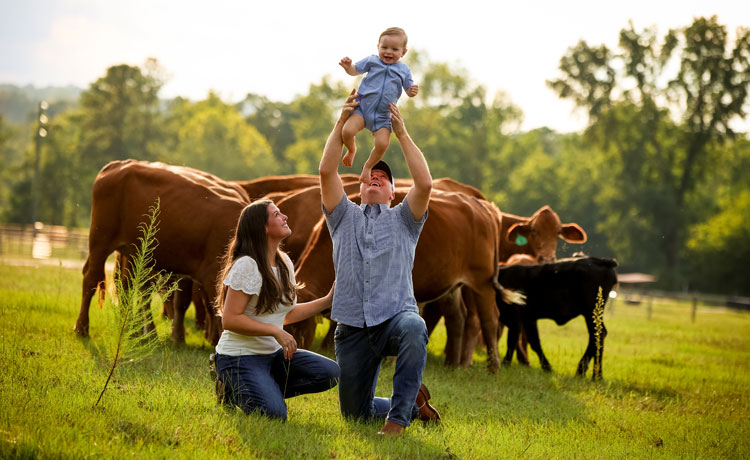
274, 121
121, 113
212, 136
65, 178
456, 123
656, 129
316, 113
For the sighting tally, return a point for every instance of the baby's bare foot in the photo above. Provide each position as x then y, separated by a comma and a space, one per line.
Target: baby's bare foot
348, 159
366, 175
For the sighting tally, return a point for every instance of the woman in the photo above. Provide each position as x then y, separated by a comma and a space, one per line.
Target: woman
257, 360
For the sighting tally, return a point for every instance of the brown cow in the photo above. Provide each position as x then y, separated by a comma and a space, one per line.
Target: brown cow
262, 186
198, 214
469, 261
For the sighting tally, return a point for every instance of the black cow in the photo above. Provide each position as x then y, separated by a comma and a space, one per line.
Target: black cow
559, 291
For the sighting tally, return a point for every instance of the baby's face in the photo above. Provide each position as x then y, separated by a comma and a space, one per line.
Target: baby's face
391, 48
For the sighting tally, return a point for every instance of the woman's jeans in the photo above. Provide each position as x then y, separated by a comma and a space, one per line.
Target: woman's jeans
262, 382
359, 352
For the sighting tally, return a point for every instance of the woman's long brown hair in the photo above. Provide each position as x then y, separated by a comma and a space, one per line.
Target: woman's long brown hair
250, 240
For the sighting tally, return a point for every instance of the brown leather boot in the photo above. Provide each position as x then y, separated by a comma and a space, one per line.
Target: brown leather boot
427, 413
391, 429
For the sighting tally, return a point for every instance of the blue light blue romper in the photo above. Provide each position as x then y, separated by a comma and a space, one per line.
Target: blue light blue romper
381, 86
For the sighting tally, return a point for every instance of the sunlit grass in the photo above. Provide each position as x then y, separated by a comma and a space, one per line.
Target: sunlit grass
671, 389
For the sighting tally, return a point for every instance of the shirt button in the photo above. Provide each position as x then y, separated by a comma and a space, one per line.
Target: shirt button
367, 281
367, 263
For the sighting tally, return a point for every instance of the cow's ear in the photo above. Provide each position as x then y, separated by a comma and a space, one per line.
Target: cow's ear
518, 234
573, 233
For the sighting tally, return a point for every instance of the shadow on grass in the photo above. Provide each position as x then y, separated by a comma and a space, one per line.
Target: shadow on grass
321, 437
513, 394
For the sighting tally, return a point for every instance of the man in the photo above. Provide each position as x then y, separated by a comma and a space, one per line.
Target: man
374, 304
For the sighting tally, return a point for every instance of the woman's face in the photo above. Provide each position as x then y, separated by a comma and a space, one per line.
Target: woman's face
276, 227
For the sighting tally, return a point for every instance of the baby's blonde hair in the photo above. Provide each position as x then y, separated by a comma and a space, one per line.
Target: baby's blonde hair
394, 31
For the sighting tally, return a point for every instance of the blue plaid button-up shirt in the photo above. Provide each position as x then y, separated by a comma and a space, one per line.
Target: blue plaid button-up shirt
373, 255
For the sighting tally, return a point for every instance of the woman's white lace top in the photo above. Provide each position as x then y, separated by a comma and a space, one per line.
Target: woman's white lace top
244, 276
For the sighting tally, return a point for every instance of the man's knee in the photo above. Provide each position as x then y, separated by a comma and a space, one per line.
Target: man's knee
412, 326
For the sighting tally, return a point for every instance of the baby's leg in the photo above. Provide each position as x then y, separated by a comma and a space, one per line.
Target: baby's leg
382, 139
352, 126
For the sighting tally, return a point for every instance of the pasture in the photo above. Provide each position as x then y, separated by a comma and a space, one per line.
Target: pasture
672, 388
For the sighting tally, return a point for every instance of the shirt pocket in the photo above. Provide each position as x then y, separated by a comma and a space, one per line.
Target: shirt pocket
384, 232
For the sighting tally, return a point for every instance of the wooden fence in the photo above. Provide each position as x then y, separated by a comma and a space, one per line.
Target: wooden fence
43, 241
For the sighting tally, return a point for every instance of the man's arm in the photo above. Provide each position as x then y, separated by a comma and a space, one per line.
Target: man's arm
331, 188
419, 195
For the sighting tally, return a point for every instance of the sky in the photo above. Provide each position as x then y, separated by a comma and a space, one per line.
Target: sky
278, 48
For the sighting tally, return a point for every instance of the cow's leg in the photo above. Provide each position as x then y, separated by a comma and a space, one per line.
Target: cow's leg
180, 303
471, 330
93, 277
522, 346
201, 310
489, 315
512, 340
431, 313
213, 324
453, 310
327, 343
532, 333
167, 309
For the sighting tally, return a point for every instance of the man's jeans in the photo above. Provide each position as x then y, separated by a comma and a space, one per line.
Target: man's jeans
359, 352
262, 382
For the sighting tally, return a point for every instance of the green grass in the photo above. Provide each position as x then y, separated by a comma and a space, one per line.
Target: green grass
672, 389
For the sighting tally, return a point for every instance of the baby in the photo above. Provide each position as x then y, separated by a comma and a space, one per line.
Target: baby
382, 86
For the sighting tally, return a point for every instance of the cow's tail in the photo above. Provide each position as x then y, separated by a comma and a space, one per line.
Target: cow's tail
509, 296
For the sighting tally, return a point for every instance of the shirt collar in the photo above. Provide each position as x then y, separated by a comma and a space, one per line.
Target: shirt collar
379, 206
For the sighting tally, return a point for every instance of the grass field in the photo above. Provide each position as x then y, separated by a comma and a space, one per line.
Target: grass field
672, 389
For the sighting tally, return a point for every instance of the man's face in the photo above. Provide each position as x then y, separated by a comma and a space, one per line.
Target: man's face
378, 190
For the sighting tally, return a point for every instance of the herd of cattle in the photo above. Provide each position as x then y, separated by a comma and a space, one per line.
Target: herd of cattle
473, 267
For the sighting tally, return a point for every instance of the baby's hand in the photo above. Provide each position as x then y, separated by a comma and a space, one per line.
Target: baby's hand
412, 91
345, 63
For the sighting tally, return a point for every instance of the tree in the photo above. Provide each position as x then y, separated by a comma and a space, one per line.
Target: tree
316, 112
274, 121
120, 114
456, 123
657, 128
212, 136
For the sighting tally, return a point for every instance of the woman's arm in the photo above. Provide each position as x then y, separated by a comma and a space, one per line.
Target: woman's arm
234, 319
305, 310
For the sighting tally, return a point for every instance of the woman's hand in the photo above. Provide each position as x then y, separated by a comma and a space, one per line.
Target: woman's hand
329, 296
287, 342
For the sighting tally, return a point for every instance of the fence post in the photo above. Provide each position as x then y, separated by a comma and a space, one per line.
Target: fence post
695, 309
649, 307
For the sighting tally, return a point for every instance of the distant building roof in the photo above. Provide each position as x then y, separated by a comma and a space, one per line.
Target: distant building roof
632, 278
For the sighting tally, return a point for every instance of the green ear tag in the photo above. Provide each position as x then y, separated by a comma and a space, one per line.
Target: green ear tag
521, 240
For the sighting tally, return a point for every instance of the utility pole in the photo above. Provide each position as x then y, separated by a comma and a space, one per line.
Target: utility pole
41, 133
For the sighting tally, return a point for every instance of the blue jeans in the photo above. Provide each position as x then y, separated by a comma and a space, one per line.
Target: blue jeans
261, 382
360, 351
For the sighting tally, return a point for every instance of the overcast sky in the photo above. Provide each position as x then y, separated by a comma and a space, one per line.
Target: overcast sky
278, 48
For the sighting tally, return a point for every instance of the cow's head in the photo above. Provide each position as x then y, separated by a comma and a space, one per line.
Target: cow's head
541, 231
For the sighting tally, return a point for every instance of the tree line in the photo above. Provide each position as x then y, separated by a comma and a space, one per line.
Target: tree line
659, 178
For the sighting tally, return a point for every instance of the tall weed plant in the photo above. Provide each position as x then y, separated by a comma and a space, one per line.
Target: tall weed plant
131, 322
